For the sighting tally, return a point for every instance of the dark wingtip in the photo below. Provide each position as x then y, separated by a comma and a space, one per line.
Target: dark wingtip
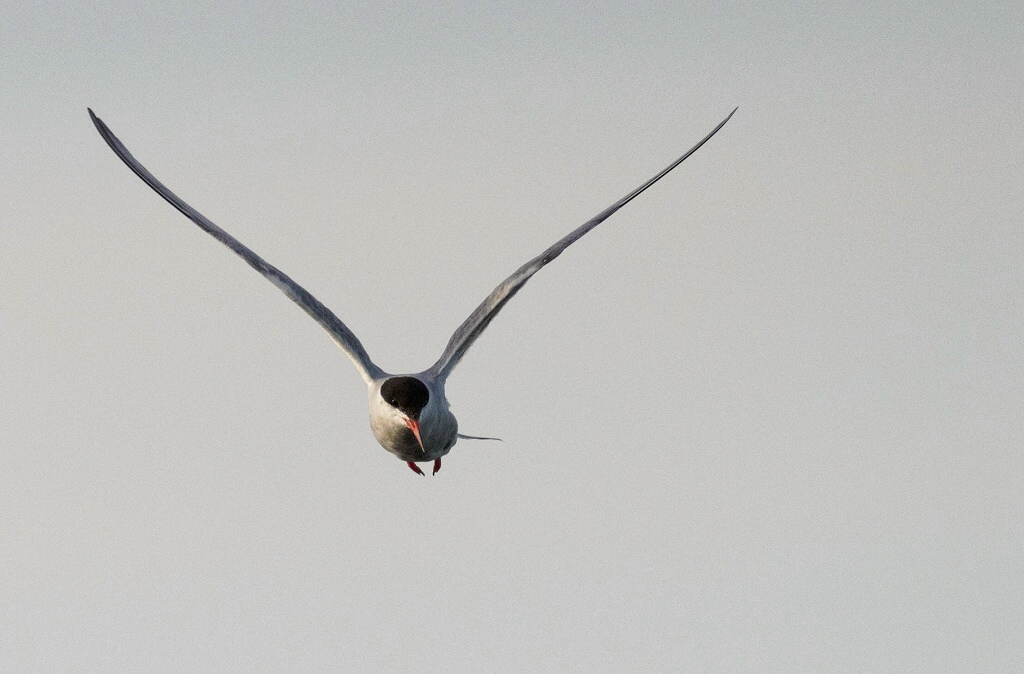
727, 118
98, 123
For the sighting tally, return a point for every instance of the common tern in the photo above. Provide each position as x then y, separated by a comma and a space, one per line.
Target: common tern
409, 414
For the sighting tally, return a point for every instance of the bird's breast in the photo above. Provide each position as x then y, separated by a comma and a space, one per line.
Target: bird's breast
438, 435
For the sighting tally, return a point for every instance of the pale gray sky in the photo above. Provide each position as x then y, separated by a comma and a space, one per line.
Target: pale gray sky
767, 418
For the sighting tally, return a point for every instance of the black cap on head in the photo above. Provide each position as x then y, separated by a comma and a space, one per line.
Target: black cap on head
407, 394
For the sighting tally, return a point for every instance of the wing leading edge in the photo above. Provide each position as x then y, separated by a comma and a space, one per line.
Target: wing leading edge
338, 331
472, 327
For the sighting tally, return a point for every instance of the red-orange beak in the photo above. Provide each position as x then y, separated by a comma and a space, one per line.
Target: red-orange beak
414, 426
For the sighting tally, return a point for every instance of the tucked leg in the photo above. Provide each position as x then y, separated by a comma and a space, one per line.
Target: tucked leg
415, 468
437, 466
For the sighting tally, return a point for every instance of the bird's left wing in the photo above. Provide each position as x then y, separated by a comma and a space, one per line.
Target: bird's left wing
348, 342
481, 317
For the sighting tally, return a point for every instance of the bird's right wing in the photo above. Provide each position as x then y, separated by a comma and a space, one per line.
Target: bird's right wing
348, 342
481, 317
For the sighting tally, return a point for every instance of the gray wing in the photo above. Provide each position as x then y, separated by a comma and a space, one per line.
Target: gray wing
481, 317
312, 306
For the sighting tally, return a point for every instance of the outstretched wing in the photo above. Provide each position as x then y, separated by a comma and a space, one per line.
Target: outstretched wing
312, 306
481, 317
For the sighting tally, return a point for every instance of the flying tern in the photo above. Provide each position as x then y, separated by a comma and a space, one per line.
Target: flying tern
409, 414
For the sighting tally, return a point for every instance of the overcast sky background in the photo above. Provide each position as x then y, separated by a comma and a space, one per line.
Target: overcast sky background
766, 418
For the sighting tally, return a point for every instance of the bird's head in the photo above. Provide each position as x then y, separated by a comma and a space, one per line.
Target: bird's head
407, 396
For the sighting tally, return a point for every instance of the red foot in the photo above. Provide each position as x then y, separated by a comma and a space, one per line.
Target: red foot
415, 468
437, 466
